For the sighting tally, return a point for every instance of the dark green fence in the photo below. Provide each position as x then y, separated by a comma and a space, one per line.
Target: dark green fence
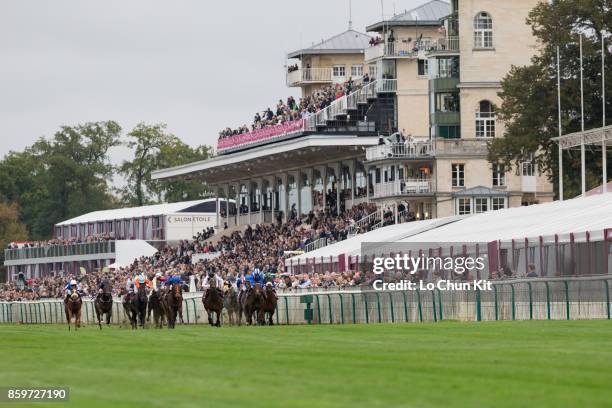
533, 299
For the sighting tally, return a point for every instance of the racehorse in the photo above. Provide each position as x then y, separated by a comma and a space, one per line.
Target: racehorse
72, 307
140, 303
129, 305
251, 304
104, 304
213, 302
268, 306
173, 303
155, 305
230, 302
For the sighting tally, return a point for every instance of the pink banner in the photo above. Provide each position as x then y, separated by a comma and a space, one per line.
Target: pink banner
260, 134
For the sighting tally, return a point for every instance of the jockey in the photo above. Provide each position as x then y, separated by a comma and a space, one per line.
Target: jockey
256, 277
142, 280
212, 276
156, 279
174, 279
129, 285
73, 284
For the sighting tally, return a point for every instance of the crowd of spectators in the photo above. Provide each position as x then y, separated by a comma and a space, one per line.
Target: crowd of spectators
60, 242
292, 109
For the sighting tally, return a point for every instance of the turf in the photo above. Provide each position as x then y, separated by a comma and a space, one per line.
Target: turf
447, 364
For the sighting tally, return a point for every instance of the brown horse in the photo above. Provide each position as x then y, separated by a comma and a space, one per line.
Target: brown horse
250, 303
155, 305
213, 302
173, 303
131, 311
230, 302
104, 306
268, 306
72, 307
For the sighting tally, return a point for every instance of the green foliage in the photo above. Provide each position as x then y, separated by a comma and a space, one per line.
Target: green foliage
154, 149
11, 229
61, 177
529, 93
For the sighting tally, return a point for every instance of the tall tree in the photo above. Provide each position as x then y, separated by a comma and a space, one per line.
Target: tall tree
529, 93
61, 177
155, 149
11, 229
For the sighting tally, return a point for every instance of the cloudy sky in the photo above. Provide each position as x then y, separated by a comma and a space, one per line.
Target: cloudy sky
195, 65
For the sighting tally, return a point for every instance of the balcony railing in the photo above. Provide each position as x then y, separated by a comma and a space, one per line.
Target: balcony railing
403, 187
309, 75
55, 251
403, 48
408, 150
259, 135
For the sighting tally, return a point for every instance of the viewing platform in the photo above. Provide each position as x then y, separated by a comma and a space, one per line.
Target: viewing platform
303, 76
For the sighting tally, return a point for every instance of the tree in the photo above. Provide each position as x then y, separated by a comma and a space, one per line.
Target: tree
154, 149
11, 229
61, 177
529, 94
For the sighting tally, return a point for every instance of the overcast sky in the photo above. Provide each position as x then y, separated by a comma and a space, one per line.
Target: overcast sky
195, 65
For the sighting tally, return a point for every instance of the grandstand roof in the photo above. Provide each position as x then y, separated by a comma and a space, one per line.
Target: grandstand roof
426, 14
136, 212
348, 42
593, 214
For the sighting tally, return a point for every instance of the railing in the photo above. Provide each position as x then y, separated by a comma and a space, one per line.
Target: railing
54, 251
259, 135
518, 299
341, 105
352, 230
418, 149
461, 147
316, 244
403, 188
309, 75
446, 44
374, 52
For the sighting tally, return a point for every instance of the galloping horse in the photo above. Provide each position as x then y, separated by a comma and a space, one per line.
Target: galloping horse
251, 304
230, 302
173, 303
141, 301
72, 307
104, 304
269, 304
131, 311
213, 302
155, 305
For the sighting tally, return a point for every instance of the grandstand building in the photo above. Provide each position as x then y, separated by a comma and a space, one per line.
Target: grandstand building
414, 131
102, 238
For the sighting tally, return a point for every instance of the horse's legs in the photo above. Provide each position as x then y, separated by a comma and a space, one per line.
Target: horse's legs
68, 318
218, 324
180, 311
77, 320
99, 319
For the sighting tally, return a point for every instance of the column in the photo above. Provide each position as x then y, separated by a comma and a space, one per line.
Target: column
272, 182
353, 169
367, 177
218, 209
323, 172
237, 191
338, 170
298, 183
285, 180
310, 175
248, 188
261, 194
604, 162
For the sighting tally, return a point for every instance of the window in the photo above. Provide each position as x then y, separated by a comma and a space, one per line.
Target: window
372, 71
483, 30
357, 71
499, 175
339, 71
423, 67
464, 206
498, 203
449, 132
527, 168
458, 175
481, 204
447, 102
485, 119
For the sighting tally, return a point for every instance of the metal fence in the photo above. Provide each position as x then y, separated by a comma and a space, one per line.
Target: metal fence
524, 299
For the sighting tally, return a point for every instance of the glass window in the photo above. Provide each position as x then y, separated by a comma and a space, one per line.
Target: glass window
498, 203
447, 102
339, 71
423, 67
485, 119
464, 206
357, 71
481, 204
483, 30
499, 175
527, 168
449, 132
458, 175
372, 71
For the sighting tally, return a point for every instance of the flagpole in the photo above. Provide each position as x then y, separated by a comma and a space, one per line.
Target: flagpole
582, 153
560, 132
604, 153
